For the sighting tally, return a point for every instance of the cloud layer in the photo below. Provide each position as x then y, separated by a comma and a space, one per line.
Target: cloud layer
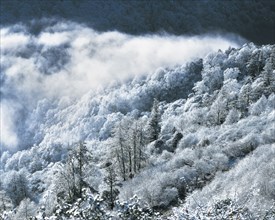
69, 59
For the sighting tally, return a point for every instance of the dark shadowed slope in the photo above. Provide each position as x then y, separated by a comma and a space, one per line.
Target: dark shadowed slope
253, 20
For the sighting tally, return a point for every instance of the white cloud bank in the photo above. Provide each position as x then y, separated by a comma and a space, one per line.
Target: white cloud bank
69, 59
8, 136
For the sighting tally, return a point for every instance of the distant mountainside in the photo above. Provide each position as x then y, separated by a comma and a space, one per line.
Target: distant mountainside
67, 59
198, 137
252, 19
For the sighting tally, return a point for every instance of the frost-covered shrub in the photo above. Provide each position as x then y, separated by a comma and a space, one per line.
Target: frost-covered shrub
25, 210
188, 141
271, 101
231, 73
268, 135
253, 189
168, 196
88, 207
92, 207
166, 155
243, 146
204, 167
270, 213
222, 210
258, 107
218, 111
227, 209
212, 78
232, 117
7, 215
134, 209
16, 186
153, 189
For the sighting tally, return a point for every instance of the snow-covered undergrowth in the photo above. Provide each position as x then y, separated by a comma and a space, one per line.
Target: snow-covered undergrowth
199, 133
250, 183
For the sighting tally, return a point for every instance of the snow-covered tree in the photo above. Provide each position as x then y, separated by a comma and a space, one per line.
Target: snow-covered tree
128, 146
16, 186
258, 107
245, 98
218, 111
255, 64
72, 175
134, 208
233, 116
25, 210
110, 195
5, 202
224, 209
120, 148
154, 122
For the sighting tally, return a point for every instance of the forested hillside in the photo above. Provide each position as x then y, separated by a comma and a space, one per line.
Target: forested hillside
191, 141
251, 19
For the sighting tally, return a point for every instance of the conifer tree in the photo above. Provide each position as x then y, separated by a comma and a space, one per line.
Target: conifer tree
255, 64
110, 195
72, 175
244, 99
154, 123
120, 149
16, 186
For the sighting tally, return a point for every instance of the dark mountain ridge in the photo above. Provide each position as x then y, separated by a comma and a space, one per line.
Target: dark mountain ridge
251, 19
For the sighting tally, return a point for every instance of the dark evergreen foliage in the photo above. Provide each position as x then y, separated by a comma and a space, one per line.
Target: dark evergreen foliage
252, 19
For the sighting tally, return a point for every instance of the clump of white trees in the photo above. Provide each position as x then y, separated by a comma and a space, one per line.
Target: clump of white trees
154, 143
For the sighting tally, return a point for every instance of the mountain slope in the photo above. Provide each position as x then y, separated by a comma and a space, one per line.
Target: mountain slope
255, 22
215, 139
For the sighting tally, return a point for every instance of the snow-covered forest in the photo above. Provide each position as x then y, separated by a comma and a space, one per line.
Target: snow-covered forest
107, 125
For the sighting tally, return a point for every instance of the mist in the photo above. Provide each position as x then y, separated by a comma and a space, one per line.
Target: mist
71, 59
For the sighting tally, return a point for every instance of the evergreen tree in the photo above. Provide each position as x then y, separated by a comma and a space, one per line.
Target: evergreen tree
16, 186
72, 175
244, 99
154, 123
268, 76
110, 195
138, 142
120, 148
5, 202
255, 64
